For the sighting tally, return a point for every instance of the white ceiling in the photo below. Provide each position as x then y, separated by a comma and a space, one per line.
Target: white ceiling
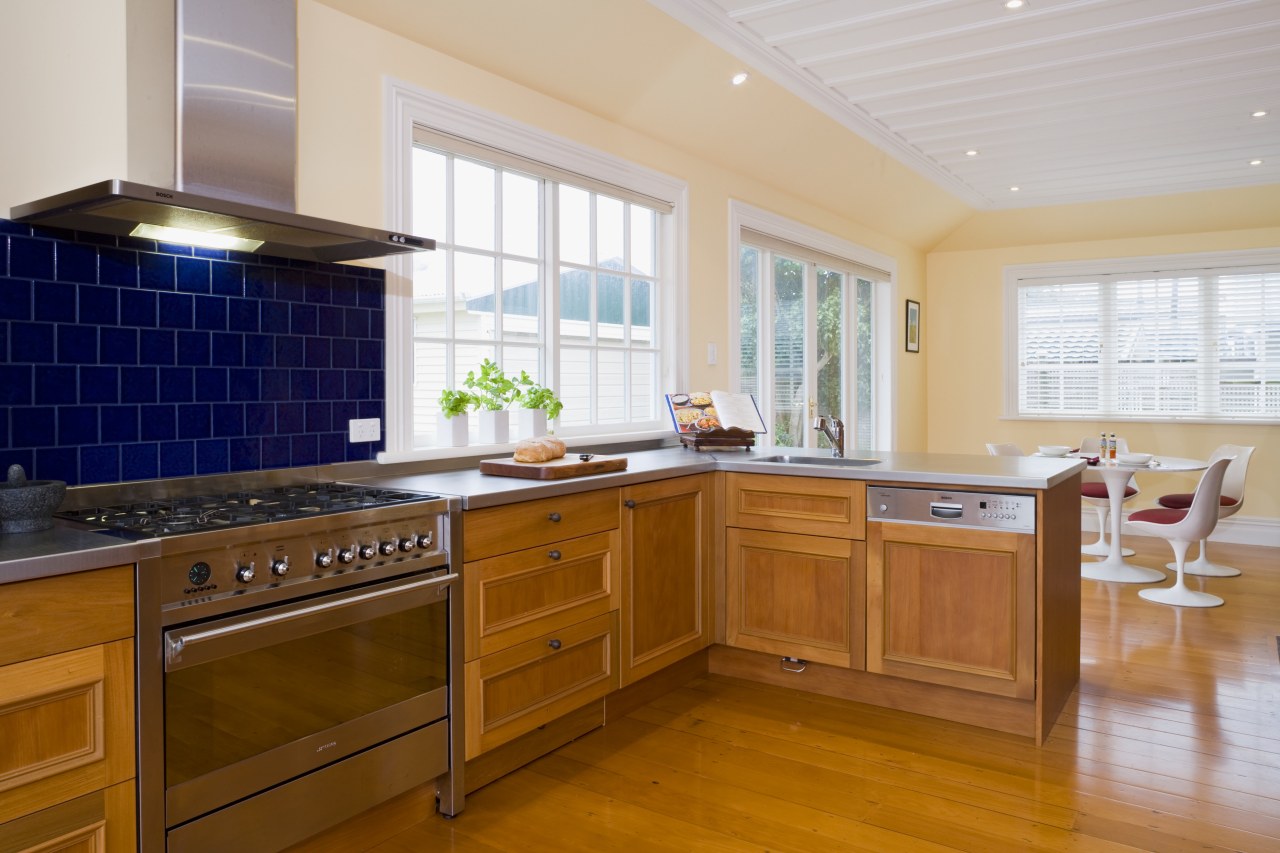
1068, 100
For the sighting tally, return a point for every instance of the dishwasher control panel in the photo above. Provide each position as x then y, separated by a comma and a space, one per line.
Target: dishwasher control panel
983, 510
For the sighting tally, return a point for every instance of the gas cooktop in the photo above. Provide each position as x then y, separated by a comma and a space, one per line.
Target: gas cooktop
198, 513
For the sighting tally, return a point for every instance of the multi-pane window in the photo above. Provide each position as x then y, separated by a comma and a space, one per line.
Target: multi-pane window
539, 274
806, 342
1196, 344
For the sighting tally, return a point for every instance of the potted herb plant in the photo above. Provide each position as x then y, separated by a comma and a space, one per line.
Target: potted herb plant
452, 425
493, 392
536, 404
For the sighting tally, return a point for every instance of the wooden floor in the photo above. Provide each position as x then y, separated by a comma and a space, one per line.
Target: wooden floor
1170, 743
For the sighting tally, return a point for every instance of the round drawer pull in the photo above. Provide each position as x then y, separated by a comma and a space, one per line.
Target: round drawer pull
555, 555
629, 504
554, 644
555, 516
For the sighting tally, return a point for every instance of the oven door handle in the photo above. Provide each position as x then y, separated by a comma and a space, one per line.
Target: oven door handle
187, 647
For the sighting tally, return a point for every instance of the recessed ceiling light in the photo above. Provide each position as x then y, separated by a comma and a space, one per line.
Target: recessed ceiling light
740, 78
1014, 189
1259, 113
1014, 4
1255, 162
972, 152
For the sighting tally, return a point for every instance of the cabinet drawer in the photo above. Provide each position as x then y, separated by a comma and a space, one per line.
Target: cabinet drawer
514, 691
101, 822
813, 505
515, 597
56, 614
502, 529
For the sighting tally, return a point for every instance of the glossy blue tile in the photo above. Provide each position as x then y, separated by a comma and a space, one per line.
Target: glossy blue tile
177, 311
211, 385
260, 282
158, 423
16, 302
4, 432
8, 226
242, 315
213, 456
192, 348
304, 384
228, 420
195, 420
211, 313
319, 417
276, 451
156, 271
226, 349
356, 323
32, 342
100, 464
260, 419
55, 302
139, 384
117, 267
289, 351
209, 252
331, 321
31, 257
177, 458
319, 288
119, 424
193, 275
274, 317
244, 385
370, 293
345, 353
370, 354
75, 262
227, 279
138, 308
290, 285
118, 346
177, 385
332, 384
77, 425
290, 418
344, 290
275, 384
157, 346
259, 351
32, 427
140, 461
99, 385
55, 385
357, 385
56, 463
98, 306
77, 344
333, 446
304, 450
377, 385
318, 353
176, 249
345, 410
304, 319
369, 408
361, 451
245, 454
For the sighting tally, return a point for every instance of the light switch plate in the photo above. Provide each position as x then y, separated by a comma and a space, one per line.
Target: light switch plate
364, 429
711, 353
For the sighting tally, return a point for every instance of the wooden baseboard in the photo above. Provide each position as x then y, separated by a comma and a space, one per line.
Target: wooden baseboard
513, 755
622, 702
1015, 716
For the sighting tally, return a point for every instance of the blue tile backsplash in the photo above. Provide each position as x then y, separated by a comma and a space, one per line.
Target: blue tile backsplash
124, 359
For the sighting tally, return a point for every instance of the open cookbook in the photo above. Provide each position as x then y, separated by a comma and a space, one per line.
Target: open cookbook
703, 411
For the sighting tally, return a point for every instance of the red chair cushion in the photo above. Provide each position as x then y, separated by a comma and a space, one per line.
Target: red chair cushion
1183, 501
1159, 515
1099, 490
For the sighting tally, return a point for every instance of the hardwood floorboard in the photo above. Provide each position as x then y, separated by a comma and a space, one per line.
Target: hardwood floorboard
1170, 743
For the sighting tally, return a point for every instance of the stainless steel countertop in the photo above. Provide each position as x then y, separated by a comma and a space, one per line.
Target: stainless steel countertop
66, 549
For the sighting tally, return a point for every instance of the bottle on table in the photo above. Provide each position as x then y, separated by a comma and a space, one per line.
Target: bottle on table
1111, 449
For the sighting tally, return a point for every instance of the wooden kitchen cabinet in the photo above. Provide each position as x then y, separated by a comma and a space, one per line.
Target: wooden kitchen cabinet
812, 505
952, 606
67, 712
668, 593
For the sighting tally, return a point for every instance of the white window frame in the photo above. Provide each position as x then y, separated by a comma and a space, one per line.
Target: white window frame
745, 216
1155, 265
406, 106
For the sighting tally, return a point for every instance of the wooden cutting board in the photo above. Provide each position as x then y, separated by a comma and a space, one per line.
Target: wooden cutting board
557, 469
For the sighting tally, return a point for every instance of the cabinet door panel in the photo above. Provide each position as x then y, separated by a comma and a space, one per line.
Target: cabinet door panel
952, 606
820, 506
667, 600
794, 595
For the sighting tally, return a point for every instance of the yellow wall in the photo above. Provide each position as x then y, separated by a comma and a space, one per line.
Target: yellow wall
964, 330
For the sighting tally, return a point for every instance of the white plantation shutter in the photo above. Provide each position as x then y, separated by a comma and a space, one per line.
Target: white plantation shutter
1196, 344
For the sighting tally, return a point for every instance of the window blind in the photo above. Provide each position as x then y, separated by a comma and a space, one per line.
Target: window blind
1193, 344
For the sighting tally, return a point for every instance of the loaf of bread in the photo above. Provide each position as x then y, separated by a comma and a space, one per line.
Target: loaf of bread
542, 449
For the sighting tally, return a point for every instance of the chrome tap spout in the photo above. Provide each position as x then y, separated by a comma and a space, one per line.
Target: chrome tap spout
833, 429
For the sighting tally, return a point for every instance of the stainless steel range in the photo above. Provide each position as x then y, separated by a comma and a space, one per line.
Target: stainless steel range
298, 647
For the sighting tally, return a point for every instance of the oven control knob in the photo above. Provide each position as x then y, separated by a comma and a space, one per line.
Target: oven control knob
367, 551
324, 559
406, 544
424, 540
387, 548
346, 555
245, 574
280, 567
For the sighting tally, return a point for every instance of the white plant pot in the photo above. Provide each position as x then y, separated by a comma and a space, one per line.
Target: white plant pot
531, 423
495, 427
452, 432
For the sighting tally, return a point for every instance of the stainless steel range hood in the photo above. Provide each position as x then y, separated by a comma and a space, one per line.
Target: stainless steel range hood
235, 145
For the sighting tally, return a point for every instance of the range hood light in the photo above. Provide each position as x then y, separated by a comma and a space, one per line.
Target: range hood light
187, 237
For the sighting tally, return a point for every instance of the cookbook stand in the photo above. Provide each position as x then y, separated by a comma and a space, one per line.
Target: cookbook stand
720, 437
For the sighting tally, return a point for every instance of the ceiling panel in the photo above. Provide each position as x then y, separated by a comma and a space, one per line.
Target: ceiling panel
1068, 100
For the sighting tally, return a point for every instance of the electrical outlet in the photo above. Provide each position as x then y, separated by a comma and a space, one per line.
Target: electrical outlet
364, 429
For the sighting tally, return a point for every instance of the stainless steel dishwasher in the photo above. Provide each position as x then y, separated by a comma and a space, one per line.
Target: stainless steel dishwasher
951, 588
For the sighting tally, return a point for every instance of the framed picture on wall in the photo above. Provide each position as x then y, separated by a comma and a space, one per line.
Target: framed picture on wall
913, 326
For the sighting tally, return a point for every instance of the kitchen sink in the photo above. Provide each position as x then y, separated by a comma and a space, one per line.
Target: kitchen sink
829, 461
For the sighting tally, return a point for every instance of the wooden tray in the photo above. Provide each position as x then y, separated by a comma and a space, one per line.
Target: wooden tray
557, 469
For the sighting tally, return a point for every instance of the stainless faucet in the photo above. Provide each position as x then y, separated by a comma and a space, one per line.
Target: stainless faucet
833, 429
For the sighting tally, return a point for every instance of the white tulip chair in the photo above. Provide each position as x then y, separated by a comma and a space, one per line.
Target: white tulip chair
1229, 504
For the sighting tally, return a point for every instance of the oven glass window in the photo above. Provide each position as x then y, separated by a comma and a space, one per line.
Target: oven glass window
241, 706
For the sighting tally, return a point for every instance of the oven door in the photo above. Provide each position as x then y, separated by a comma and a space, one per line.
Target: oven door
254, 700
